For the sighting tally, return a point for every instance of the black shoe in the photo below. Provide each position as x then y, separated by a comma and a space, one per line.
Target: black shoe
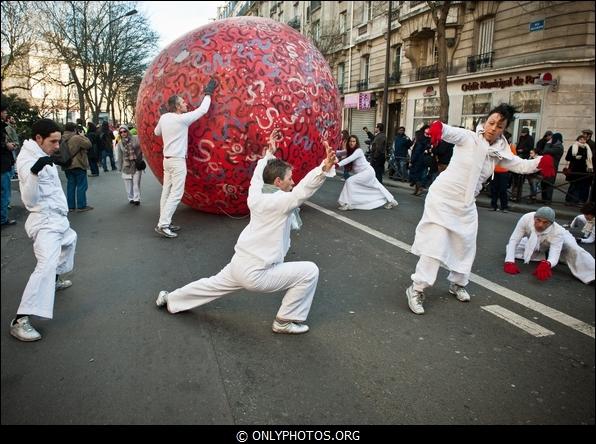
136, 202
493, 209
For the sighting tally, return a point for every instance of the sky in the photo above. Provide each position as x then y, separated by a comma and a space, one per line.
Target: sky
174, 19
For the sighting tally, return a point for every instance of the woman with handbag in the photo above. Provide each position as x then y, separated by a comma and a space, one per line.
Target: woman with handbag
131, 164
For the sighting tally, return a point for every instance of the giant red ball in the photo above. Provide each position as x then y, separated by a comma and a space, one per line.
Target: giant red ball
269, 76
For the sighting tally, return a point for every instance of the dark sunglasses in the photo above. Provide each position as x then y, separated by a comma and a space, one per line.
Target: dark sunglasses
123, 132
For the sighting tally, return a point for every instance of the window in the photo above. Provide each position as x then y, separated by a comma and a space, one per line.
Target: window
475, 108
314, 5
341, 73
343, 22
485, 35
396, 65
527, 101
426, 111
367, 12
364, 67
316, 30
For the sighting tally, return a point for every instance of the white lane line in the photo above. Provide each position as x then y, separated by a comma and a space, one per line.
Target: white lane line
517, 320
545, 310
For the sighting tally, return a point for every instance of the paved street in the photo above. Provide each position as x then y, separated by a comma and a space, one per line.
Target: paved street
110, 356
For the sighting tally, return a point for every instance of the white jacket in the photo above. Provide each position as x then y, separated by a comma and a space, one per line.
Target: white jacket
449, 224
266, 238
41, 194
173, 128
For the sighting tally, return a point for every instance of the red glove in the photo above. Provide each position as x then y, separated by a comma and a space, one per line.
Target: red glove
435, 131
511, 268
543, 271
547, 166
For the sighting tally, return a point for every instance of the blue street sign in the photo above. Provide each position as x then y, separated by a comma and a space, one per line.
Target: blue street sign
538, 25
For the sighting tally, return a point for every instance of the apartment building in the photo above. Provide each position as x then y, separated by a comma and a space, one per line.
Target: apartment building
538, 56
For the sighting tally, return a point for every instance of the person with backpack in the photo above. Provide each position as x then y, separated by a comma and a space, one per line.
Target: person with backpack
54, 242
75, 169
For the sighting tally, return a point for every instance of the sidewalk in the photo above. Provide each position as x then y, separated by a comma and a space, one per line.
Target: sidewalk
564, 213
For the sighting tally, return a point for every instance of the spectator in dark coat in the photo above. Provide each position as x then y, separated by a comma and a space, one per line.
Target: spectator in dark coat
94, 151
418, 167
401, 145
378, 148
555, 149
581, 171
542, 142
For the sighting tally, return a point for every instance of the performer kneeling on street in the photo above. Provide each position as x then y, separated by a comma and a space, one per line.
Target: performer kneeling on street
446, 234
537, 237
258, 263
582, 226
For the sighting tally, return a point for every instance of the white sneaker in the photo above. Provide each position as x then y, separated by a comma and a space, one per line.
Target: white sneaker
162, 299
23, 330
62, 284
391, 204
343, 207
165, 232
415, 299
460, 292
291, 328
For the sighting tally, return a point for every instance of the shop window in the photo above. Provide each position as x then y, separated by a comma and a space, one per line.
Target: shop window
527, 101
426, 111
475, 108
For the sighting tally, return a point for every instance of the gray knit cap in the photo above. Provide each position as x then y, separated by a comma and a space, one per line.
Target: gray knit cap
545, 213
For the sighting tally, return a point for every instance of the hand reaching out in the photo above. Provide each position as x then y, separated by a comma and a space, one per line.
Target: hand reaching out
273, 139
331, 158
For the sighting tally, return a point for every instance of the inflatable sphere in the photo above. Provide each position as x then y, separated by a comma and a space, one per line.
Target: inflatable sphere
269, 76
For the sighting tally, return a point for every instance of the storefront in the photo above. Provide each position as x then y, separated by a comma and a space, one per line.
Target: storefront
556, 99
361, 111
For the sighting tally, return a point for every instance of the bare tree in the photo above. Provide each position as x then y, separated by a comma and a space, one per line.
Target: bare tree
440, 11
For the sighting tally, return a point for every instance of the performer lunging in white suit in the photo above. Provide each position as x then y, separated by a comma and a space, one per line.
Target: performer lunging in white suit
446, 234
258, 263
537, 237
54, 241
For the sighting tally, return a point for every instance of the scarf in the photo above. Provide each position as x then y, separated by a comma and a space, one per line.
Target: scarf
129, 150
575, 148
534, 242
295, 221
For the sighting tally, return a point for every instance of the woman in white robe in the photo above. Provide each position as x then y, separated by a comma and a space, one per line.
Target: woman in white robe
529, 244
446, 234
362, 190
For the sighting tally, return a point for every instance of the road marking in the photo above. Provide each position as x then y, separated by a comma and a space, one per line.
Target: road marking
545, 310
519, 321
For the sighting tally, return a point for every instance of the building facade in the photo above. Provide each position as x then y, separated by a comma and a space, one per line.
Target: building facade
538, 56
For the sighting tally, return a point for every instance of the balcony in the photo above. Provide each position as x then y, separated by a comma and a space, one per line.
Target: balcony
294, 23
394, 78
480, 62
341, 89
427, 72
362, 85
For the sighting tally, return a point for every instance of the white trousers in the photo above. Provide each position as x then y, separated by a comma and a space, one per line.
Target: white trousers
55, 255
426, 274
299, 278
132, 185
174, 176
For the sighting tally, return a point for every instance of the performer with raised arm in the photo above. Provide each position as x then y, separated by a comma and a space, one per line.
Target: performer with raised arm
446, 233
258, 263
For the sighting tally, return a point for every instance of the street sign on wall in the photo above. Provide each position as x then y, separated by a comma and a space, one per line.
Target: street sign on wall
537, 25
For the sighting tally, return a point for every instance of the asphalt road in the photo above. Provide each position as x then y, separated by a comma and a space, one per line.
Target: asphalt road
110, 356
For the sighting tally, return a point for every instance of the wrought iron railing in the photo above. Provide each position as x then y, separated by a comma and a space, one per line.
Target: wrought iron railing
480, 62
394, 78
427, 72
362, 85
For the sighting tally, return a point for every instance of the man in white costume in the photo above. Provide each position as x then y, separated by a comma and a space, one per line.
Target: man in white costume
258, 263
54, 241
173, 127
446, 234
537, 237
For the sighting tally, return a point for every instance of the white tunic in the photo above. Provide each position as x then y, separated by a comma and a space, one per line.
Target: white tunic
266, 238
559, 243
449, 224
362, 191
